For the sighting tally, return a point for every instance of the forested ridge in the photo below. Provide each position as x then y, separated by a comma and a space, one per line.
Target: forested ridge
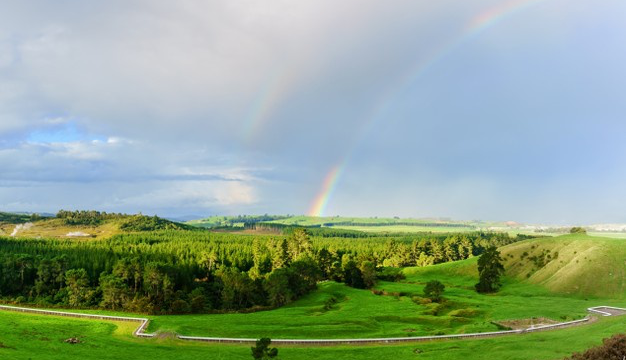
182, 271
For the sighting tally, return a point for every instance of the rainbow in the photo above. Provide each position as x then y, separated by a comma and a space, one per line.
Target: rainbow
475, 27
328, 186
267, 100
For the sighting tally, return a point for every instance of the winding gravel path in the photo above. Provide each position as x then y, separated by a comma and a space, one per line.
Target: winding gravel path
143, 324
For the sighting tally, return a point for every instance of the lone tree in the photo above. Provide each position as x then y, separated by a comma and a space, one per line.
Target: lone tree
262, 350
433, 290
577, 230
490, 269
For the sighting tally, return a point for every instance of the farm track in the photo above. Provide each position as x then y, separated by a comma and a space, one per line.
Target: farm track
143, 324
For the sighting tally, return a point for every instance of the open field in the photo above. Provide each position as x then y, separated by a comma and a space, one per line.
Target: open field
24, 336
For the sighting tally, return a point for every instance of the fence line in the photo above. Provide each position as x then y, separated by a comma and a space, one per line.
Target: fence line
143, 324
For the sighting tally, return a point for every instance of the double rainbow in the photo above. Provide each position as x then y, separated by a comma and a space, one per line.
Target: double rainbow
475, 27
282, 79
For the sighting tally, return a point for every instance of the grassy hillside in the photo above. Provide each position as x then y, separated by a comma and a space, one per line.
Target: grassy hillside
578, 265
100, 229
571, 264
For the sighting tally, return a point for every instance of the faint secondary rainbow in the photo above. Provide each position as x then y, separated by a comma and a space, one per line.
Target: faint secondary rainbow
267, 99
475, 26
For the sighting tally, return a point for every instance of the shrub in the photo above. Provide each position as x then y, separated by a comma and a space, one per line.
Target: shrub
433, 290
180, 307
390, 274
612, 348
328, 304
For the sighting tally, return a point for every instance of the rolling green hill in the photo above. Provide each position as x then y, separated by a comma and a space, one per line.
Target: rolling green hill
570, 264
578, 265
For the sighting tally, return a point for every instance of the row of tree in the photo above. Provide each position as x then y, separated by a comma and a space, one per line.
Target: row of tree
191, 271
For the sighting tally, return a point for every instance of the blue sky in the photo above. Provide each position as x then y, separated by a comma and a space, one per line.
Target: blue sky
482, 109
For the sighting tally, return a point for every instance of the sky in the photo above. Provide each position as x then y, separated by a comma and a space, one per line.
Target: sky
480, 109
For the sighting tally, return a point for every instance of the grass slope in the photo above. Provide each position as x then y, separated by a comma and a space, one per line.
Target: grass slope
571, 264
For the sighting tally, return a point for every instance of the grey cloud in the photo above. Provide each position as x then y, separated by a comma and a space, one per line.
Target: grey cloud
243, 106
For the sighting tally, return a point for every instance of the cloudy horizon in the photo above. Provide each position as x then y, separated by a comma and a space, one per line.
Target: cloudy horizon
488, 109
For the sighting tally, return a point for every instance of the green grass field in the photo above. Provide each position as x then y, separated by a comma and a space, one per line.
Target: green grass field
588, 271
25, 336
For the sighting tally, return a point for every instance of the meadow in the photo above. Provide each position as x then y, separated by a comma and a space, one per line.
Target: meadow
24, 336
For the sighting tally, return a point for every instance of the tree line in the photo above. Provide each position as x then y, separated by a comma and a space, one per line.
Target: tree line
179, 271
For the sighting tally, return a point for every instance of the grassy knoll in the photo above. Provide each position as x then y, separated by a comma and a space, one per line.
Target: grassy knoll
26, 336
572, 264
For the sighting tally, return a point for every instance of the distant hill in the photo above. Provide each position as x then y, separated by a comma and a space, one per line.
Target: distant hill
82, 224
13, 218
372, 224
